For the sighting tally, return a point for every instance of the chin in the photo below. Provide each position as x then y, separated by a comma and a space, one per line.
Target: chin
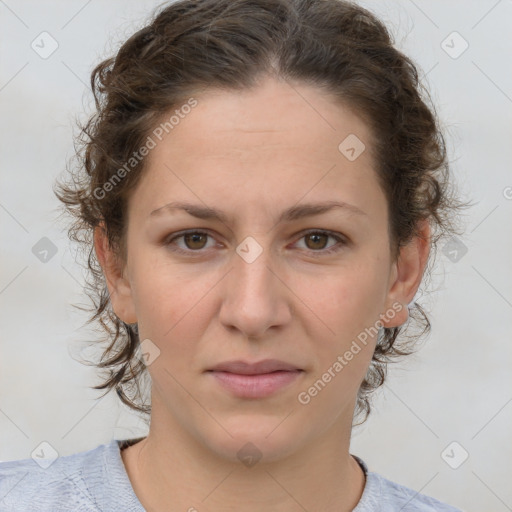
256, 438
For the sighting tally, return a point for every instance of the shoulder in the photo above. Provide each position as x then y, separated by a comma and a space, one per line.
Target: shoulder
381, 494
73, 482
406, 499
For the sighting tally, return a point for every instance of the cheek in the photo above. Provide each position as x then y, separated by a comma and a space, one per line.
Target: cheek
343, 342
348, 306
350, 300
168, 302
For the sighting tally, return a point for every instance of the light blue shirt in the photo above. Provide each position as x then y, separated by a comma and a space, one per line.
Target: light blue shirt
96, 480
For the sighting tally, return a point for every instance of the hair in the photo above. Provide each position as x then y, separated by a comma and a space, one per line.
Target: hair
200, 45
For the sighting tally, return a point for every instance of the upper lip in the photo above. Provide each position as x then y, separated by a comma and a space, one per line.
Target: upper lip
260, 367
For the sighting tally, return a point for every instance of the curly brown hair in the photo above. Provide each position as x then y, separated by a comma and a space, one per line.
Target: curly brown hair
195, 45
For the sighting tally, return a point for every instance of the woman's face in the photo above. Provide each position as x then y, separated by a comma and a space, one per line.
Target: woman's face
253, 285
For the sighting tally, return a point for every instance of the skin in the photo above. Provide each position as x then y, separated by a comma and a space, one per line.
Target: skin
252, 155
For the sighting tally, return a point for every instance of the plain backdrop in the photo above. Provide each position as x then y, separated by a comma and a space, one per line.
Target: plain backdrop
457, 389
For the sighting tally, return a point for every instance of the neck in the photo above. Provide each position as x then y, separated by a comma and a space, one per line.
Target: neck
172, 470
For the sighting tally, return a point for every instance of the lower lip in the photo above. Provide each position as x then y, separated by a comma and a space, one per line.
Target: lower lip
255, 386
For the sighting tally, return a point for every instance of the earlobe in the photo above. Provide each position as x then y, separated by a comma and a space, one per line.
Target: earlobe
408, 272
118, 286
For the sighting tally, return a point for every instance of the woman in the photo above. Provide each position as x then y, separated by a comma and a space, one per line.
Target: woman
260, 192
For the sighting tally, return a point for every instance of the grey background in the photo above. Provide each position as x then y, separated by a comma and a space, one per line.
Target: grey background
459, 385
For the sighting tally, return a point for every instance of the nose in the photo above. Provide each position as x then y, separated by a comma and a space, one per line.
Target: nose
255, 296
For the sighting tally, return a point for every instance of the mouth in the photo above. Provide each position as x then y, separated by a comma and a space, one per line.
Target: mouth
255, 380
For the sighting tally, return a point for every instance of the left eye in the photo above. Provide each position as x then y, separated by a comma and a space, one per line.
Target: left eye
318, 241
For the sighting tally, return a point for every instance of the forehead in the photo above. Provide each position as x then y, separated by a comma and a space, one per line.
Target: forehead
275, 112
256, 148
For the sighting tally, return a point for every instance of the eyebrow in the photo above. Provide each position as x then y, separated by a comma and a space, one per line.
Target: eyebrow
288, 215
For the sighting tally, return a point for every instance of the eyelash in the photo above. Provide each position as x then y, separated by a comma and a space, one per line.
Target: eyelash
321, 252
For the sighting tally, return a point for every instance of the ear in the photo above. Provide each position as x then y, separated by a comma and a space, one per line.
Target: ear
406, 276
118, 286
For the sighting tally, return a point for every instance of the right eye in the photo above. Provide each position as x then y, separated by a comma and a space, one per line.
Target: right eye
194, 241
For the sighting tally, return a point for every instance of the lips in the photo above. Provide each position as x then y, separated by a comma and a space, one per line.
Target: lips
258, 368
255, 380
